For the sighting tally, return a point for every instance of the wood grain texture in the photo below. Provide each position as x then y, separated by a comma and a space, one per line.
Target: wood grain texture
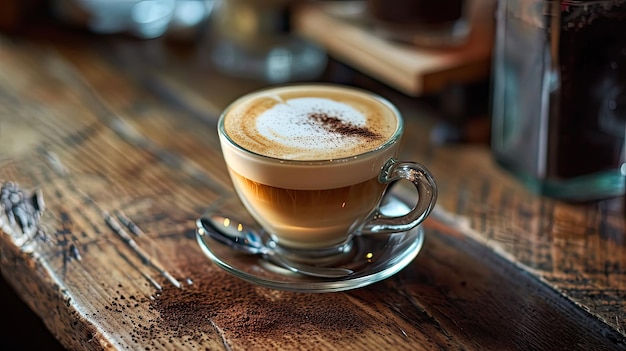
414, 70
107, 138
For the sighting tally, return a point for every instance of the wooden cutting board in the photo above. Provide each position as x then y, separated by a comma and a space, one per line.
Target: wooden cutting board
342, 28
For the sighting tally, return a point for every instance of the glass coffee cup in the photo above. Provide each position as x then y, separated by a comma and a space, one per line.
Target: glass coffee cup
312, 162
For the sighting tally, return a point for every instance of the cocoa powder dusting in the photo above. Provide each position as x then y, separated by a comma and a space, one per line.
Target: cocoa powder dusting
245, 314
336, 125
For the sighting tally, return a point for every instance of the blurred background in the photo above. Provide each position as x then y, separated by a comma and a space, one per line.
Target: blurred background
433, 51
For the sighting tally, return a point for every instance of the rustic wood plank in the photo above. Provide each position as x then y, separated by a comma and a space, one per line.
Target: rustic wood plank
506, 217
76, 161
98, 146
492, 207
577, 249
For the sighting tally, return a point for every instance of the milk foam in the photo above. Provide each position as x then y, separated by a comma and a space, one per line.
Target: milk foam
290, 124
330, 128
310, 123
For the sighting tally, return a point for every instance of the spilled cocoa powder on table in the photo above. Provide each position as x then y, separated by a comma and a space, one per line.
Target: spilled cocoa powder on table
246, 313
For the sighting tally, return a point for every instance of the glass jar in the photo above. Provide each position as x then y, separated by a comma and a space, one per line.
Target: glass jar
559, 96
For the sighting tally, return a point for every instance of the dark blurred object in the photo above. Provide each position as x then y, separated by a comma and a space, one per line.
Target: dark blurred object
559, 96
253, 39
17, 14
145, 19
22, 329
441, 23
405, 12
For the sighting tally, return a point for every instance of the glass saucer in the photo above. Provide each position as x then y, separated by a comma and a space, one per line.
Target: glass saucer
372, 258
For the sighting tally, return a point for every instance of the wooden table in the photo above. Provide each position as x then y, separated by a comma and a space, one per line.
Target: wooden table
119, 137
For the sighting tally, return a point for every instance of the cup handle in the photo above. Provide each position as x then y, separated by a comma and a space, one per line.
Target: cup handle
424, 183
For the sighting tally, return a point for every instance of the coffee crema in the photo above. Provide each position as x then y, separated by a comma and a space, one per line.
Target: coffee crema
310, 122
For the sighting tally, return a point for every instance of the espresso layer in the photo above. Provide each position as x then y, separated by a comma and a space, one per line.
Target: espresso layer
312, 122
308, 218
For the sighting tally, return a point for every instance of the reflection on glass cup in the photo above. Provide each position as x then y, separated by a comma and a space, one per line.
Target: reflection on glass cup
441, 23
311, 164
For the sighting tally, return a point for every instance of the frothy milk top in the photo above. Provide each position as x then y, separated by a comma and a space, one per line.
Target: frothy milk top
310, 122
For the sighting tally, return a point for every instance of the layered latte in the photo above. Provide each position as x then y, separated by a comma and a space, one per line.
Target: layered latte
305, 159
